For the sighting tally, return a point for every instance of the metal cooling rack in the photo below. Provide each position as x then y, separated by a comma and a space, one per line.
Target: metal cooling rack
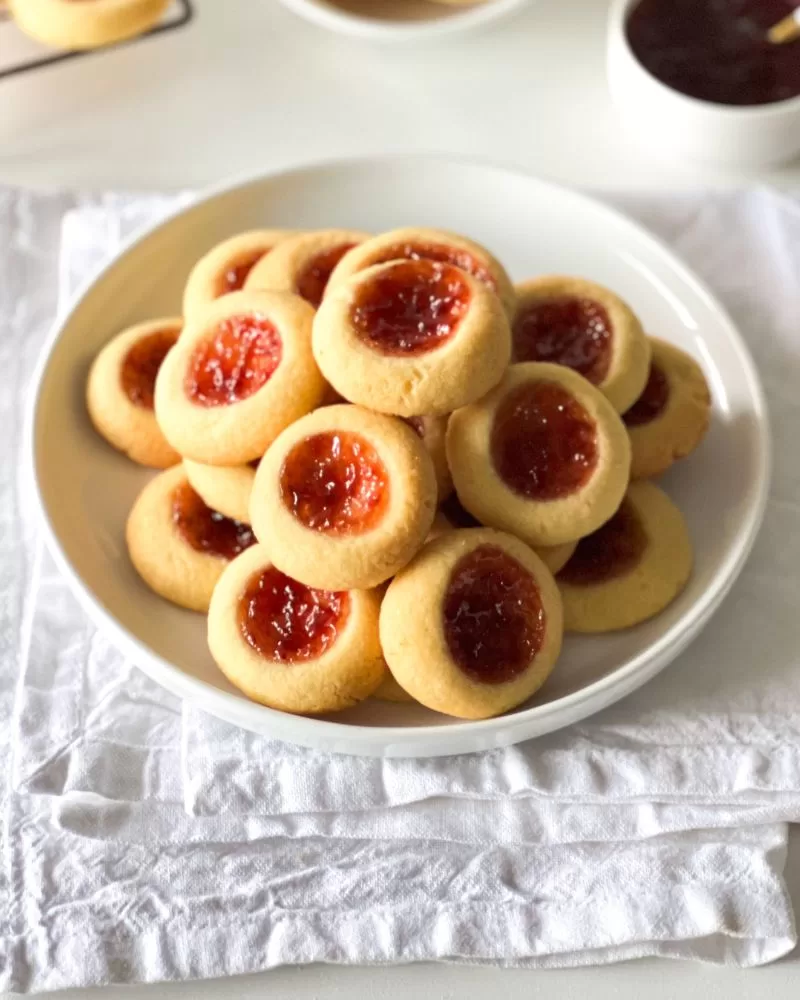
20, 54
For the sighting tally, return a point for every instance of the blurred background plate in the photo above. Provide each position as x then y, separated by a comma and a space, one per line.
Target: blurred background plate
401, 20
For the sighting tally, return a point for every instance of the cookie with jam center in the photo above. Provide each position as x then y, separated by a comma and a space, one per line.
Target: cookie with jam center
120, 391
290, 646
472, 627
178, 544
240, 373
670, 418
412, 338
437, 245
302, 265
580, 324
631, 568
226, 266
543, 456
344, 498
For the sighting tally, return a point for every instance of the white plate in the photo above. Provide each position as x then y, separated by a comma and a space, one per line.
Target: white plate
400, 20
86, 489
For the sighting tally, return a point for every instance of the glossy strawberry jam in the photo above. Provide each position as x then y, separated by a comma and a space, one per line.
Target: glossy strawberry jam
566, 330
235, 276
314, 279
611, 551
234, 362
411, 308
543, 442
141, 364
494, 621
652, 401
439, 252
336, 483
205, 529
288, 622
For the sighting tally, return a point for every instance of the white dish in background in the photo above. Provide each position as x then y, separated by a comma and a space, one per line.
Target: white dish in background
680, 126
85, 488
401, 20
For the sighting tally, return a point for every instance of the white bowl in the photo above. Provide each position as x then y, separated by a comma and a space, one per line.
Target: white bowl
85, 488
683, 127
400, 20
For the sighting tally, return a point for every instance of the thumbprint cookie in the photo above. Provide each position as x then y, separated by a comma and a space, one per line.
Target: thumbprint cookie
432, 431
241, 372
453, 515
344, 498
670, 418
66, 24
121, 388
573, 322
303, 265
226, 266
412, 337
292, 647
436, 245
178, 545
544, 455
225, 488
629, 569
472, 626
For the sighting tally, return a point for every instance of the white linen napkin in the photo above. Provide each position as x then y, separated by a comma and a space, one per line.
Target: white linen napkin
657, 828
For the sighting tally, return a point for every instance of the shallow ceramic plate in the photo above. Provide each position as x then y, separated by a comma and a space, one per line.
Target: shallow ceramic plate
86, 489
401, 20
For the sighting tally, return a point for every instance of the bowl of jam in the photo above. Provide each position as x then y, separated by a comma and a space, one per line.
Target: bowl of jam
701, 80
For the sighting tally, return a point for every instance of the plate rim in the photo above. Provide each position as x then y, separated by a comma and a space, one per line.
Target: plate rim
354, 25
415, 740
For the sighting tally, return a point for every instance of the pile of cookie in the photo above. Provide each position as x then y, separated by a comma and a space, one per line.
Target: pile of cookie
391, 472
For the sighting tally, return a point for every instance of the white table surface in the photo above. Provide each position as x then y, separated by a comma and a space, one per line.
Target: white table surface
247, 86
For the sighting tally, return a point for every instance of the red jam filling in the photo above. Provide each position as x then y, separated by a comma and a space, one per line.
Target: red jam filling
611, 551
234, 278
717, 50
288, 622
494, 621
234, 362
205, 529
570, 331
439, 252
141, 364
652, 401
457, 514
544, 443
335, 482
411, 308
313, 281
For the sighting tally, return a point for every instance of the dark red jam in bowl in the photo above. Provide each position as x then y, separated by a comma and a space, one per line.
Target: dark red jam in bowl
717, 50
